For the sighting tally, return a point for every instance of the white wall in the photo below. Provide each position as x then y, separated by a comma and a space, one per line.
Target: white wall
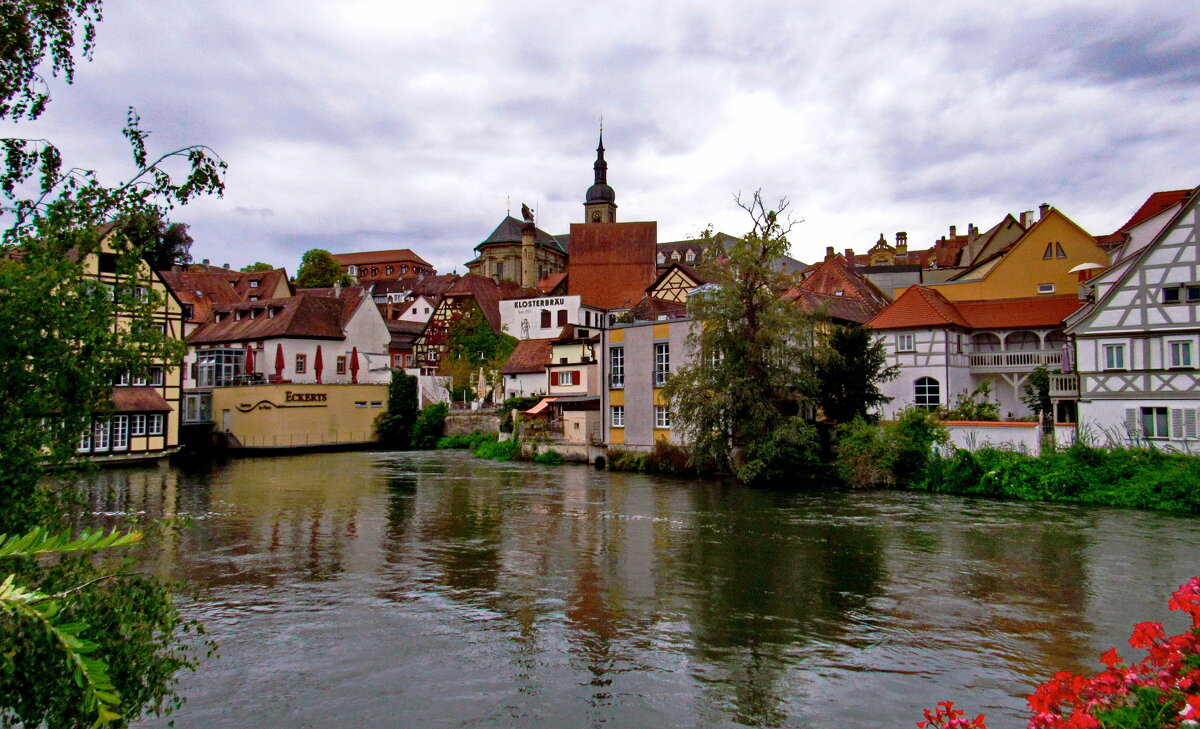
522, 318
525, 385
1023, 437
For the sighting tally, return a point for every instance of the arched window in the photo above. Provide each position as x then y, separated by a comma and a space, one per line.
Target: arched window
1021, 341
985, 342
928, 393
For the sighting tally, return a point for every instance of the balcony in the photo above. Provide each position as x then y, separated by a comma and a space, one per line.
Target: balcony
1064, 386
1016, 361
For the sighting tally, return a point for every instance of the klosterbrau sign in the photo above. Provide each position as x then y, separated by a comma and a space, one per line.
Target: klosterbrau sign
538, 303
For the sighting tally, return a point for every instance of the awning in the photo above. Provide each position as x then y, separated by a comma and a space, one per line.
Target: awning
139, 400
545, 403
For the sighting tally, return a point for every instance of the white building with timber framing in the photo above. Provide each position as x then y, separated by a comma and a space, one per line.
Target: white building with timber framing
1137, 342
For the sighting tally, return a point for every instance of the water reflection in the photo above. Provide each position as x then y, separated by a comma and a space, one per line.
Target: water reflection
456, 592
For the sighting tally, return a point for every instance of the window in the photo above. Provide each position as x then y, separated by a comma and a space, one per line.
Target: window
1181, 354
156, 376
123, 379
85, 441
1154, 422
662, 363
1049, 251
691, 256
904, 343
120, 433
500, 270
341, 364
374, 271
1171, 295
189, 311
1058, 251
377, 403
253, 283
616, 367
253, 298
618, 416
662, 417
108, 263
1193, 294
389, 270
397, 361
360, 404
928, 393
100, 435
301, 362
142, 293
156, 423
1045, 288
408, 360
219, 367
545, 318
137, 425
569, 377
352, 270
562, 317
661, 259
1114, 356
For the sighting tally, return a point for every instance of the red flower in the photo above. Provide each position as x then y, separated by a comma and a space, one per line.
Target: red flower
1146, 634
1110, 658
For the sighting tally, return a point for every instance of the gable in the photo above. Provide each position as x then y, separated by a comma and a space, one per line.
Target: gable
1136, 301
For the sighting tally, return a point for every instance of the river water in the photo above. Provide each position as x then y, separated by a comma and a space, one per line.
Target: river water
435, 590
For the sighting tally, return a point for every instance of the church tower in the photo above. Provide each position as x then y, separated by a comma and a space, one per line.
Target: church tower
600, 205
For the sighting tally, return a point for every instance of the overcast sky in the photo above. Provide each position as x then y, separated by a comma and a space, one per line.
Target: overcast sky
368, 124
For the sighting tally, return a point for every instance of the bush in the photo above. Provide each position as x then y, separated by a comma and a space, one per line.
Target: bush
549, 458
431, 423
888, 454
620, 459
791, 453
515, 403
394, 426
493, 450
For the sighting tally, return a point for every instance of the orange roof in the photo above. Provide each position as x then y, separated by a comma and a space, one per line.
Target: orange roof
550, 282
921, 307
918, 307
487, 294
612, 264
834, 277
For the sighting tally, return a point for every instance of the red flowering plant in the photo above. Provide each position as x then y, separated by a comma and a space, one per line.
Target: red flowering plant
1162, 691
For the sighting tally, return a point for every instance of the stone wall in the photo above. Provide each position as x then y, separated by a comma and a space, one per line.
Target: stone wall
465, 422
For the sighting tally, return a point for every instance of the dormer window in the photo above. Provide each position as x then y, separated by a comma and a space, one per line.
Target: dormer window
675, 256
233, 283
254, 298
839, 292
690, 257
352, 270
662, 258
237, 316
253, 283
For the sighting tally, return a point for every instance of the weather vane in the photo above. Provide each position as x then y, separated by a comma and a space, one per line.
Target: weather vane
508, 205
601, 122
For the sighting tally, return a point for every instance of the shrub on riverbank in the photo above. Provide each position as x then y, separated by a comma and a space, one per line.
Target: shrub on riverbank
430, 424
887, 454
1143, 478
549, 458
464, 440
664, 458
493, 450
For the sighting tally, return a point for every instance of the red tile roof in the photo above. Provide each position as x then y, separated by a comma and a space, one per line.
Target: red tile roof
395, 255
921, 307
530, 356
1154, 205
918, 307
488, 294
612, 264
550, 282
300, 316
652, 309
834, 278
205, 288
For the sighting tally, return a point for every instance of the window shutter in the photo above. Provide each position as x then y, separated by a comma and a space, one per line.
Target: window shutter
575, 377
1189, 423
1177, 422
1131, 423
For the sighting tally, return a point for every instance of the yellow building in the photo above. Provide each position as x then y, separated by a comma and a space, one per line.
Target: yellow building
299, 415
145, 420
1039, 263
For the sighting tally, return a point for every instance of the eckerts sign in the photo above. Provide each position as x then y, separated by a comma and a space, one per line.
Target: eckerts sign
305, 397
537, 303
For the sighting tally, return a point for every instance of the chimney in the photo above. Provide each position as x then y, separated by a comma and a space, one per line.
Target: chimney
1027, 219
225, 266
849, 255
337, 289
972, 232
205, 262
1042, 210
902, 242
828, 252
953, 230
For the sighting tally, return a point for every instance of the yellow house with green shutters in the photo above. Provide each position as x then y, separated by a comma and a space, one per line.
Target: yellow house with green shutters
1039, 263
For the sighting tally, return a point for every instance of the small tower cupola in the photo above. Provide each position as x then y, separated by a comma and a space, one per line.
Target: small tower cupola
600, 204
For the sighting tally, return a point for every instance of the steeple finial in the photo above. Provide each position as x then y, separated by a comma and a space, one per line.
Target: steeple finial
601, 166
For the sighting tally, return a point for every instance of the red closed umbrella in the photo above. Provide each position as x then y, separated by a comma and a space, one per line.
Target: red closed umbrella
279, 361
249, 359
319, 366
354, 365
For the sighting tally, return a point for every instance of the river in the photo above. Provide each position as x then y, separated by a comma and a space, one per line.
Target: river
434, 590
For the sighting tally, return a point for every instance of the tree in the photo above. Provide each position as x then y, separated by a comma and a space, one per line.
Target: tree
742, 399
1036, 392
60, 354
395, 425
257, 266
163, 244
471, 345
847, 371
318, 269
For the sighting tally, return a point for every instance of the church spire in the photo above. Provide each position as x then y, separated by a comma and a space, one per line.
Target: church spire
600, 205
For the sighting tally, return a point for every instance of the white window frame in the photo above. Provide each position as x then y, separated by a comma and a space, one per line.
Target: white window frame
1152, 416
1045, 288
1114, 356
618, 416
156, 424
926, 395
662, 363
662, 416
1179, 346
301, 364
137, 425
100, 440
119, 429
906, 343
616, 368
